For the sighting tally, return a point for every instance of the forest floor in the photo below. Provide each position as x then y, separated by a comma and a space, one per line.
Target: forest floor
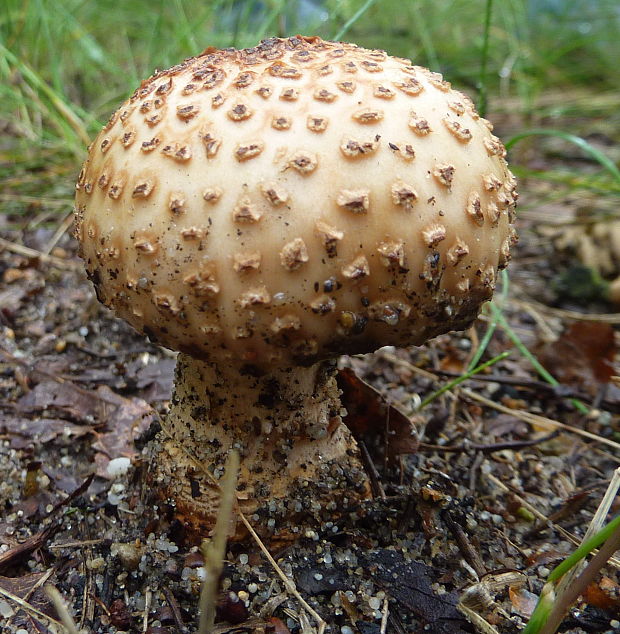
500, 484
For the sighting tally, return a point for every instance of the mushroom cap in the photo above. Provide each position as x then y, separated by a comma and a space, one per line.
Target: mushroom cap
293, 201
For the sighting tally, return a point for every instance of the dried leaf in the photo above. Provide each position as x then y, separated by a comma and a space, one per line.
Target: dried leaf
582, 357
127, 419
410, 584
23, 432
374, 421
523, 601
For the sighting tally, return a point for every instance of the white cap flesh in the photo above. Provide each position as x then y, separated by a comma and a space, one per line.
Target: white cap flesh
286, 203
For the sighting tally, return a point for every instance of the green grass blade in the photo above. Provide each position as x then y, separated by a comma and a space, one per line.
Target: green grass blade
352, 20
484, 77
459, 379
580, 142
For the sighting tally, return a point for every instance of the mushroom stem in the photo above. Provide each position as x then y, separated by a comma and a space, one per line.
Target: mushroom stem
297, 456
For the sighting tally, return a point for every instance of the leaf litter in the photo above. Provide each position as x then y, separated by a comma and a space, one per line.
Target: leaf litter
79, 388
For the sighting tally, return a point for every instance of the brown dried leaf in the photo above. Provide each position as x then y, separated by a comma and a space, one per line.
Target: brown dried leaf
23, 432
582, 357
372, 420
523, 602
127, 419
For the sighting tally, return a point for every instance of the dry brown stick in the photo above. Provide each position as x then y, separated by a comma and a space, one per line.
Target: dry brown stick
375, 482
471, 555
500, 446
59, 233
60, 263
536, 419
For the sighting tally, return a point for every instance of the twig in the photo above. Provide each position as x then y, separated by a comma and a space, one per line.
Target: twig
472, 557
148, 595
385, 615
20, 249
215, 552
288, 583
500, 446
59, 233
61, 608
536, 419
174, 606
24, 605
375, 483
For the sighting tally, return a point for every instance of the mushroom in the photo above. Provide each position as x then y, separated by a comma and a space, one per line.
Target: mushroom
265, 210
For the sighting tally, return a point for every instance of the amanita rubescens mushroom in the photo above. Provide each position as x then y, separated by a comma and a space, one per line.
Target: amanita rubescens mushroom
265, 210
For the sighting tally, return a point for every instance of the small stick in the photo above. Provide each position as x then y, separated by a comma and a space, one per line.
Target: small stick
535, 419
215, 551
20, 249
467, 550
148, 595
61, 608
385, 615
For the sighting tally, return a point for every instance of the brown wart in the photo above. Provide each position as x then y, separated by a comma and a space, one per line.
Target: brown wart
294, 254
410, 86
240, 112
444, 174
212, 194
289, 94
274, 193
212, 144
433, 235
457, 252
404, 195
346, 86
144, 188
491, 183
353, 148
392, 253
304, 162
368, 115
285, 323
217, 100
419, 125
194, 233
356, 269
493, 213
281, 122
457, 130
116, 188
150, 145
323, 305
128, 137
178, 152
474, 208
246, 212
246, 151
187, 112
247, 261
357, 201
256, 296
176, 203
329, 236
383, 92
316, 124
322, 94
203, 283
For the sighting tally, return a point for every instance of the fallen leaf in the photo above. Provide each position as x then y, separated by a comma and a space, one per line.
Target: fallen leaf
523, 601
372, 420
410, 583
23, 432
127, 419
582, 357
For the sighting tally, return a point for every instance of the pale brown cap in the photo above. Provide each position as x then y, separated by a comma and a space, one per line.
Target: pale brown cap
293, 201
